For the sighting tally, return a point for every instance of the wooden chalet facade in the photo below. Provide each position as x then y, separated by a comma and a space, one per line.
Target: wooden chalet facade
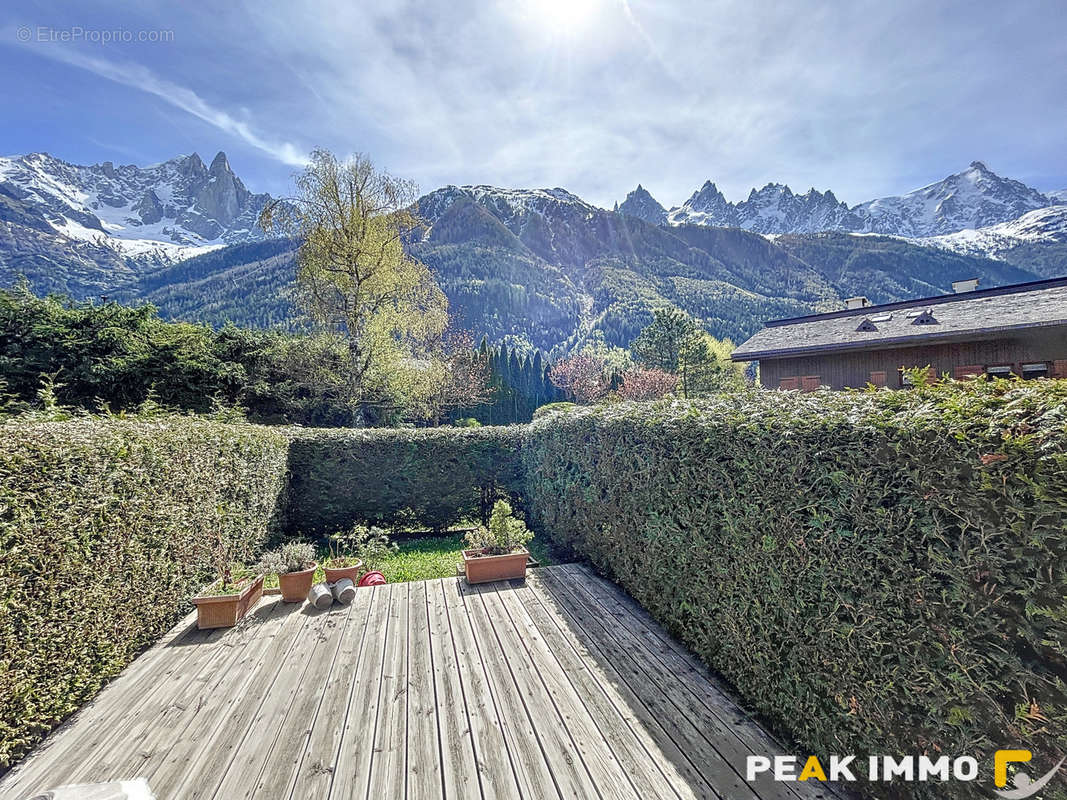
1016, 330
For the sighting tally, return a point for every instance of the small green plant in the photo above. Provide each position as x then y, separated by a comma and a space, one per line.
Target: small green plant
290, 557
369, 544
229, 572
505, 534
233, 578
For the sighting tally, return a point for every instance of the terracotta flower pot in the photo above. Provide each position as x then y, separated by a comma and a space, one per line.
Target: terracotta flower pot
226, 610
334, 574
296, 585
481, 568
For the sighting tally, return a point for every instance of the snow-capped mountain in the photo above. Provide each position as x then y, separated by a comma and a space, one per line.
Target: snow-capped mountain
772, 209
164, 212
1060, 195
1021, 241
639, 203
511, 206
974, 198
706, 206
549, 222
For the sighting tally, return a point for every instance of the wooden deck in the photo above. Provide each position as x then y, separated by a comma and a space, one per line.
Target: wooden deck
559, 687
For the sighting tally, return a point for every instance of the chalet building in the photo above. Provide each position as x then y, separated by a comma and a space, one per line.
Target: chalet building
1016, 330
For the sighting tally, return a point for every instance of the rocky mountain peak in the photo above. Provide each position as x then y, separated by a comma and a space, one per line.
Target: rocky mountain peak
975, 198
159, 211
641, 204
220, 165
191, 166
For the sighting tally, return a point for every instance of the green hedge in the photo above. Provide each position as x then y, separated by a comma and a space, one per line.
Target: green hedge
431, 476
878, 572
106, 530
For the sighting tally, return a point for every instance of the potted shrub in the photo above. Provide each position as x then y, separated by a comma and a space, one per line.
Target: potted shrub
498, 552
342, 561
223, 603
294, 564
352, 550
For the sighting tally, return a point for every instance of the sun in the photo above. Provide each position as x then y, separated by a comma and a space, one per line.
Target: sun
567, 18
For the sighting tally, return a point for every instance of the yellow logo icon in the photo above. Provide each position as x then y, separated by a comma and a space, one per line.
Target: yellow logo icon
1024, 785
1001, 761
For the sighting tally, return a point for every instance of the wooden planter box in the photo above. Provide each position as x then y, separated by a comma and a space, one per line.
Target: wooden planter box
483, 569
226, 610
296, 585
334, 574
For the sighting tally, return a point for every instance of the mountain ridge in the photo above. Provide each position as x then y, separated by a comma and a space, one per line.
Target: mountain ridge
975, 197
537, 268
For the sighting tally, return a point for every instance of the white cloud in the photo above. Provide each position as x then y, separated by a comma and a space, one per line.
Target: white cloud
139, 77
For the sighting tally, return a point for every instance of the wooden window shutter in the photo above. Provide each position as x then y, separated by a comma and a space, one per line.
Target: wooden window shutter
809, 383
1059, 368
789, 383
878, 377
968, 370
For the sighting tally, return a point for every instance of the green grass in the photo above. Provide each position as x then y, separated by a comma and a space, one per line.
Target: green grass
427, 557
422, 558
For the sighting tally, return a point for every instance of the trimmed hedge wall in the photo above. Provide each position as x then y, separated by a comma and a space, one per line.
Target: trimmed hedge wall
432, 476
106, 530
876, 572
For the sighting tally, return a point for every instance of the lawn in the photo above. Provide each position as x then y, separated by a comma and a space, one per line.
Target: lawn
420, 558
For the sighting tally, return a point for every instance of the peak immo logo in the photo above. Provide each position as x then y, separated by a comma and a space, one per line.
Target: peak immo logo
1024, 785
906, 769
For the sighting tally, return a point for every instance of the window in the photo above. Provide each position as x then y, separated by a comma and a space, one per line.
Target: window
878, 377
925, 318
789, 383
999, 371
1038, 369
809, 383
866, 327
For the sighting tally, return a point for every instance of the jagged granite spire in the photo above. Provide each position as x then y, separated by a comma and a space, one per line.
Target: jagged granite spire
639, 203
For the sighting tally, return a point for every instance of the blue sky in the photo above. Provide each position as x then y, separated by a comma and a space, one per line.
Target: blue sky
867, 99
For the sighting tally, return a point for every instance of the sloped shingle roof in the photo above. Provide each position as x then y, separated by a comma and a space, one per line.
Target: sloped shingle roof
958, 316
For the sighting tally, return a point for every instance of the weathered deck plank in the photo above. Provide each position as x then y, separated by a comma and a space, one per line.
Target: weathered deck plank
495, 760
649, 767
659, 692
198, 760
557, 687
352, 763
459, 766
71, 742
532, 771
315, 771
423, 733
695, 676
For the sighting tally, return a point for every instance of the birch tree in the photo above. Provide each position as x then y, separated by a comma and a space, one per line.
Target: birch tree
354, 277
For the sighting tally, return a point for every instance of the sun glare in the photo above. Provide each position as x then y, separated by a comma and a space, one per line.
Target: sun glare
563, 17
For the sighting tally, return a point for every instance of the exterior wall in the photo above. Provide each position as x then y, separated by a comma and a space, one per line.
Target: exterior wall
858, 368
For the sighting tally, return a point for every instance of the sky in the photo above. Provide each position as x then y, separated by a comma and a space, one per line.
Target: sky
865, 98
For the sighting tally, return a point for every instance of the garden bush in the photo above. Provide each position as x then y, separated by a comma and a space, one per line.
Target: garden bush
432, 477
876, 572
107, 528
